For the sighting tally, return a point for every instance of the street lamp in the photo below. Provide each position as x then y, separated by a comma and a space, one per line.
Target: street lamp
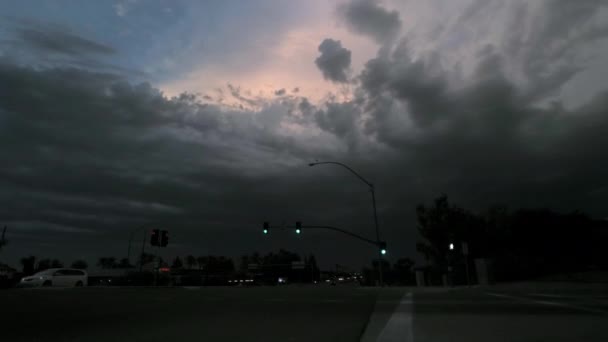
371, 188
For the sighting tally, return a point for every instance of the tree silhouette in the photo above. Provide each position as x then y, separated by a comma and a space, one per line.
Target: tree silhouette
106, 262
3, 240
124, 263
201, 261
245, 261
43, 264
146, 258
403, 272
80, 264
522, 244
29, 264
442, 224
190, 261
177, 263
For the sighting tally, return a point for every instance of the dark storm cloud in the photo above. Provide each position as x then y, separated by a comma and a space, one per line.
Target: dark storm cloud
51, 40
369, 18
88, 152
339, 119
490, 141
89, 156
334, 61
280, 92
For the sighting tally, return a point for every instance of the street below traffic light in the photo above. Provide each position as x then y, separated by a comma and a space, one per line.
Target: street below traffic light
306, 313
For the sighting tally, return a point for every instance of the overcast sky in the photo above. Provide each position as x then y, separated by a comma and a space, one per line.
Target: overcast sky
200, 117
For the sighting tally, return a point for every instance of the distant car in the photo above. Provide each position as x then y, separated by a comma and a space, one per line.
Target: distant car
56, 277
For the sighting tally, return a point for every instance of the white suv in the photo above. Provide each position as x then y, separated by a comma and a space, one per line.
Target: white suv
57, 277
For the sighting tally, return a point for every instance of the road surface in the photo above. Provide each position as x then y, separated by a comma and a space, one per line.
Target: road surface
300, 313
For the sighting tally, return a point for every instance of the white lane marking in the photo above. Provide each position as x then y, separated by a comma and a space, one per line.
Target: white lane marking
399, 326
549, 295
500, 295
549, 303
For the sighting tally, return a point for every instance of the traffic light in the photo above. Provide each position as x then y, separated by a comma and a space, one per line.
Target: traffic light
298, 227
164, 238
382, 246
266, 228
154, 238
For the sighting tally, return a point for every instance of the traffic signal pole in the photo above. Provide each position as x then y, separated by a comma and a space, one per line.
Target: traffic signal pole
143, 247
380, 271
381, 245
371, 187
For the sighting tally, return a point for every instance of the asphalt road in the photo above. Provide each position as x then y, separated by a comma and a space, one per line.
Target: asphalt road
179, 314
520, 313
305, 314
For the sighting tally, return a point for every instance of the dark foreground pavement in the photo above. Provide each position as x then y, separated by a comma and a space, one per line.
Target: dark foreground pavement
522, 313
179, 314
305, 314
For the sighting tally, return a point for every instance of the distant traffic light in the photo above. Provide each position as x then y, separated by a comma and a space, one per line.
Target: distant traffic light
298, 227
266, 228
164, 238
382, 246
154, 238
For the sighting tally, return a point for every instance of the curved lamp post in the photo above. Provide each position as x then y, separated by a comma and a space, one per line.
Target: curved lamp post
371, 188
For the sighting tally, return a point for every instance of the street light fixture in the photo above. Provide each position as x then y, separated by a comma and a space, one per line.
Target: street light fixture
371, 188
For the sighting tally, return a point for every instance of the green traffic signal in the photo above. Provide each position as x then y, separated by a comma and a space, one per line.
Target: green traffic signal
298, 231
382, 245
265, 231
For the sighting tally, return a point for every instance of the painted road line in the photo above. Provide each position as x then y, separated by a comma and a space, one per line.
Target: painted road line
549, 303
551, 295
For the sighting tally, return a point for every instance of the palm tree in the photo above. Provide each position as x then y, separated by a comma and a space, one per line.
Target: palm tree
190, 261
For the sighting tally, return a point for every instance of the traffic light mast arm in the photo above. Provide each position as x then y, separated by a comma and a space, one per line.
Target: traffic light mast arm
375, 243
